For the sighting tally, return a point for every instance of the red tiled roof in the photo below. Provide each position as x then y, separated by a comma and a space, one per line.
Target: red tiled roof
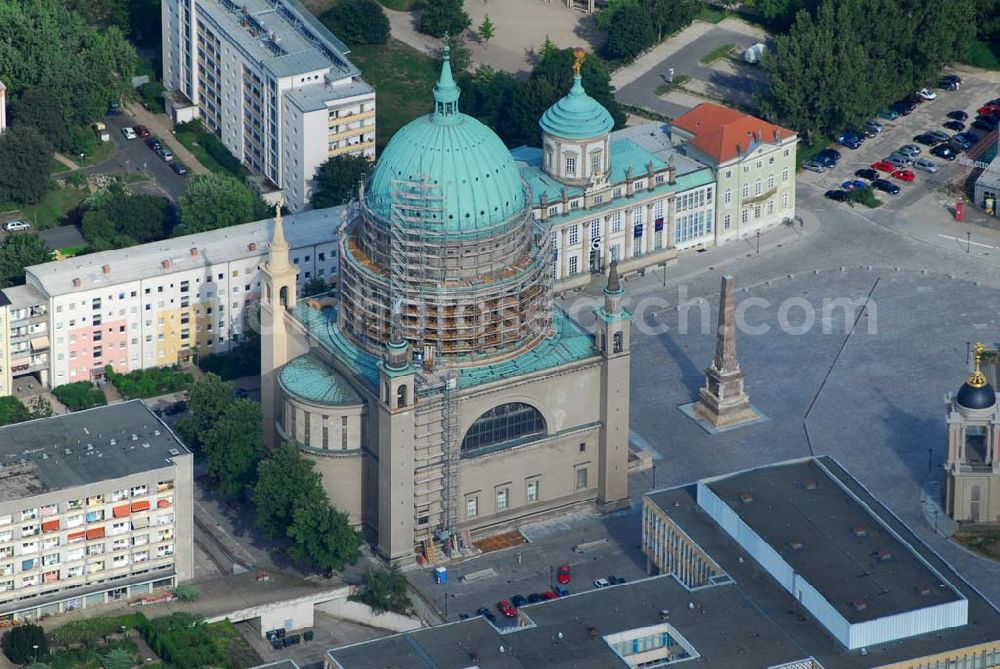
723, 133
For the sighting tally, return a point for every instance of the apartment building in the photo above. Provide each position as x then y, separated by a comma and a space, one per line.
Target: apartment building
754, 163
150, 305
272, 82
95, 506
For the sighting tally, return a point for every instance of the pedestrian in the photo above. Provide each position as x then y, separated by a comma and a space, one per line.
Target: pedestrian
518, 559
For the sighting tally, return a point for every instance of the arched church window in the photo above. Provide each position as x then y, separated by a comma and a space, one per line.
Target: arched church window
401, 398
283, 296
507, 424
619, 342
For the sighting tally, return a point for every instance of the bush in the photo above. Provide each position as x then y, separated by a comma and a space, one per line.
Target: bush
385, 590
79, 395
149, 382
865, 196
12, 410
630, 33
444, 16
185, 640
360, 21
244, 360
215, 148
152, 97
19, 644
92, 630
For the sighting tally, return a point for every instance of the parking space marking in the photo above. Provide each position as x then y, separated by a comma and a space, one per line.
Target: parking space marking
966, 241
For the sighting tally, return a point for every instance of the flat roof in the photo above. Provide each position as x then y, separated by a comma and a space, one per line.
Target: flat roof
829, 538
990, 177
83, 447
315, 96
281, 36
135, 263
22, 296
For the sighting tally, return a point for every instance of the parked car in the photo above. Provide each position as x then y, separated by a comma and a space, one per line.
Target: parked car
836, 195
828, 157
165, 154
883, 166
16, 226
563, 574
905, 107
850, 140
943, 151
463, 616
534, 598
888, 114
899, 161
986, 123
486, 613
989, 109
904, 175
178, 168
926, 138
241, 393
813, 166
927, 94
549, 594
925, 165
874, 125
506, 608
909, 150
153, 144
958, 115
915, 99
115, 108
938, 135
128, 133
960, 143
970, 136
951, 77
601, 583
957, 126
885, 186
853, 184
518, 601
561, 591
142, 131
867, 173
948, 85
616, 580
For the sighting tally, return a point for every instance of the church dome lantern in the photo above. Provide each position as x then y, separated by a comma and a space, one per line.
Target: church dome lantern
575, 134
976, 394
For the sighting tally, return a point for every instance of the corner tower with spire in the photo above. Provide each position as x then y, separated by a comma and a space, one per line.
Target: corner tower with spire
277, 296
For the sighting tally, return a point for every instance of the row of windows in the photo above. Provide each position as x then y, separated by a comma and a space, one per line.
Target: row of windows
532, 493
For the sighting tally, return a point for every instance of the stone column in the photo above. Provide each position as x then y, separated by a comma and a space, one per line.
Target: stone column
671, 226
564, 251
649, 230
606, 242
627, 213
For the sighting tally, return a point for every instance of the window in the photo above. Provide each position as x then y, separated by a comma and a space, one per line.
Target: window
531, 492
595, 163
770, 181
595, 229
727, 222
574, 265
727, 197
746, 190
616, 222
784, 201
784, 174
745, 215
757, 187
581, 478
503, 495
570, 166
471, 507
729, 173
574, 235
504, 425
756, 211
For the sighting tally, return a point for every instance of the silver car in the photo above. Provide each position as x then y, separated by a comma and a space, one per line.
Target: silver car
925, 165
814, 166
899, 160
911, 150
874, 126
938, 136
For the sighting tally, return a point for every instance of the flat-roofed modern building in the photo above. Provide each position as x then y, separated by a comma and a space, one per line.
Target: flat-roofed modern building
94, 506
715, 604
150, 305
272, 82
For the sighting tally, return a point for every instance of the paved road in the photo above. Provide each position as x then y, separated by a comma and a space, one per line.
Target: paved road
134, 155
687, 60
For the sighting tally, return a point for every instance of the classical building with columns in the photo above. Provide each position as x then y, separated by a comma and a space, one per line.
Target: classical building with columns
972, 471
627, 195
442, 392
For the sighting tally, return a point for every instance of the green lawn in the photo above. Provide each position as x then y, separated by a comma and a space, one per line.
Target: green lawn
403, 79
711, 14
101, 152
679, 81
717, 53
52, 209
57, 167
189, 138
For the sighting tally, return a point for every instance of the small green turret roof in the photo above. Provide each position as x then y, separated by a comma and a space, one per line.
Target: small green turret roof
577, 115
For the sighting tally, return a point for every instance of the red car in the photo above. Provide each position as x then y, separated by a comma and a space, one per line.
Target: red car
988, 109
142, 131
506, 608
562, 575
904, 175
549, 595
883, 166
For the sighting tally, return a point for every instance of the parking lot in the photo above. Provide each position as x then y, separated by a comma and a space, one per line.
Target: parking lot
134, 156
928, 116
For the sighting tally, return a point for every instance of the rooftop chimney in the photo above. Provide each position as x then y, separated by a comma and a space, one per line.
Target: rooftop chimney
739, 148
106, 269
252, 246
76, 283
194, 252
165, 264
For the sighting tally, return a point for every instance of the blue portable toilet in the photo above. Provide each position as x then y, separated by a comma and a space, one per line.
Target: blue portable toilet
440, 575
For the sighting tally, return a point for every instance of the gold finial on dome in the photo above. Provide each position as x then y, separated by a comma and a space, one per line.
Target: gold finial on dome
977, 379
578, 56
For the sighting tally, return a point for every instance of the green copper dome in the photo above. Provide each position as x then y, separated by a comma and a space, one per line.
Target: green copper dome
455, 155
577, 115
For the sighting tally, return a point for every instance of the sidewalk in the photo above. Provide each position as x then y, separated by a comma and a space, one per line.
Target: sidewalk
624, 76
66, 161
161, 127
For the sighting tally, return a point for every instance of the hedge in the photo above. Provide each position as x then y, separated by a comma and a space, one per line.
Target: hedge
79, 395
151, 382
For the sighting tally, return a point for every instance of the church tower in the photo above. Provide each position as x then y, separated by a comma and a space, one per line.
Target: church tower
397, 377
972, 470
277, 296
613, 323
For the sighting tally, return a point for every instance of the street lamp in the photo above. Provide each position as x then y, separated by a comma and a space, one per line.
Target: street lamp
34, 657
968, 242
551, 571
758, 242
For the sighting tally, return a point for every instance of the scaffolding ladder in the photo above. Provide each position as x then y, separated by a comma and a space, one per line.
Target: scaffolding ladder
450, 462
416, 203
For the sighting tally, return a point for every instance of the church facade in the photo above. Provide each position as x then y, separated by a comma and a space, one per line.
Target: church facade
442, 391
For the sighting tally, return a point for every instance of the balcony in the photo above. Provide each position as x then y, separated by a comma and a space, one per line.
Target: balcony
351, 148
351, 132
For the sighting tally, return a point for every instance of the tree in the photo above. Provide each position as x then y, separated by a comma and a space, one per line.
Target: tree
25, 161
336, 180
323, 536
19, 644
359, 21
12, 411
315, 286
119, 658
18, 251
233, 446
116, 218
547, 49
669, 16
43, 109
385, 590
486, 30
444, 16
207, 399
39, 407
460, 55
630, 32
283, 478
216, 200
